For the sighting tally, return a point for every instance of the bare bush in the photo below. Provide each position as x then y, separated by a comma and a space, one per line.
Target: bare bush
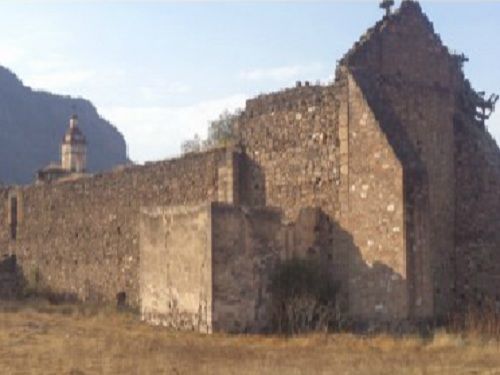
304, 296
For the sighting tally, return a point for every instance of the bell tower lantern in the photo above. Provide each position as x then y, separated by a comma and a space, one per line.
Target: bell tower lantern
74, 148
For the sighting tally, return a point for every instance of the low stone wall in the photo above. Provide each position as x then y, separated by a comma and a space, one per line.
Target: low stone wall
82, 237
206, 267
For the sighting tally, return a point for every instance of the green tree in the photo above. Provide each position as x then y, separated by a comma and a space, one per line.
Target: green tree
221, 132
191, 145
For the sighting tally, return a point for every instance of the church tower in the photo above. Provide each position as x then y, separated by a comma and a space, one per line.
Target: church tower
74, 148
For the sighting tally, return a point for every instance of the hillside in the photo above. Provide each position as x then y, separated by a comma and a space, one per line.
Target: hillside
32, 124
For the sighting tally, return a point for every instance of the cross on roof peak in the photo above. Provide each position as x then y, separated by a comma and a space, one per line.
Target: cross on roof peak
387, 5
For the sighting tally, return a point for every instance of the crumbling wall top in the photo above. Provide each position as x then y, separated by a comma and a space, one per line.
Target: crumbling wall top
393, 22
288, 99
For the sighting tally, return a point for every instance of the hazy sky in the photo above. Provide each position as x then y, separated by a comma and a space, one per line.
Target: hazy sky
160, 70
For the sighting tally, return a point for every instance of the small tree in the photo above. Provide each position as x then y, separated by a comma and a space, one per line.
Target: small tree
304, 296
221, 132
191, 145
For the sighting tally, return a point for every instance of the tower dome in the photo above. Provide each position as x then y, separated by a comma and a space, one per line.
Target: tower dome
74, 135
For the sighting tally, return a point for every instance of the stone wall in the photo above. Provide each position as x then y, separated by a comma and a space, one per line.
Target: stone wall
246, 244
296, 158
416, 84
477, 216
374, 216
291, 143
176, 267
4, 218
82, 236
323, 146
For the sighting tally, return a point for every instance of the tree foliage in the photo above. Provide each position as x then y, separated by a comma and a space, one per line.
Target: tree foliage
221, 132
191, 145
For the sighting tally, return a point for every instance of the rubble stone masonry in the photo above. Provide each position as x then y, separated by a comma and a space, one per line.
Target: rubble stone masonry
82, 237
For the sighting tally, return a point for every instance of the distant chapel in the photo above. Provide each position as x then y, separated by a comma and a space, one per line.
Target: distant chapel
73, 156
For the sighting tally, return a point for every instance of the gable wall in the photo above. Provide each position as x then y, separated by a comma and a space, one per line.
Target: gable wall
415, 79
374, 215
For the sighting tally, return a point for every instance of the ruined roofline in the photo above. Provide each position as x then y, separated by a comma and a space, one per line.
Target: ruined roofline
295, 97
362, 57
130, 168
303, 94
373, 32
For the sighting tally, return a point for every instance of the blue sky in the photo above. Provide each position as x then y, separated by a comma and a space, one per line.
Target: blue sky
159, 71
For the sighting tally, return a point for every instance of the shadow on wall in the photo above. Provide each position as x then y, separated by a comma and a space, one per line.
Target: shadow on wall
253, 182
16, 283
12, 281
390, 122
368, 292
477, 238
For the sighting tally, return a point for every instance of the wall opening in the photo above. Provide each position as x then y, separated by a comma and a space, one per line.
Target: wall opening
121, 300
13, 218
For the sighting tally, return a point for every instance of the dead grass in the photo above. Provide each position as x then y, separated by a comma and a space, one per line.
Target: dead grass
37, 338
478, 323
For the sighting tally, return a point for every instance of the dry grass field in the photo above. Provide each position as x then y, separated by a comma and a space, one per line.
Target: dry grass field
37, 338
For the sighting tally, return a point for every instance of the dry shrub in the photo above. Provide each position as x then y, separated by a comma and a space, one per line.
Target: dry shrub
478, 322
304, 296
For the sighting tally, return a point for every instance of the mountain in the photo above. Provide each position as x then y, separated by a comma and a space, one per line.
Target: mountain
32, 124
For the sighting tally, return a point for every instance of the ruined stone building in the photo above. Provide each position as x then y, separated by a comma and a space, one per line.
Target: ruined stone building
388, 174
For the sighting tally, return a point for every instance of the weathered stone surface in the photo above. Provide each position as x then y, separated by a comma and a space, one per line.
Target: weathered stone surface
246, 244
175, 270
